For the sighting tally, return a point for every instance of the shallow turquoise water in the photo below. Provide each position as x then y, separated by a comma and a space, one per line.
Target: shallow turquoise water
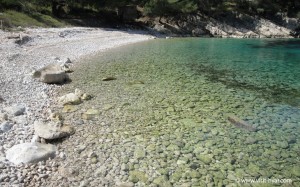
171, 99
268, 67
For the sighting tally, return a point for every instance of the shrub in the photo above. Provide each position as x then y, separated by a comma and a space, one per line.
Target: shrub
169, 7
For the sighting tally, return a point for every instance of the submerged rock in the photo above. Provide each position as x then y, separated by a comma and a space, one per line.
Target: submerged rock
70, 98
52, 130
139, 153
162, 181
74, 98
90, 114
282, 144
86, 97
250, 140
69, 108
207, 159
124, 184
240, 123
108, 78
30, 152
296, 171
136, 176
107, 107
55, 116
136, 83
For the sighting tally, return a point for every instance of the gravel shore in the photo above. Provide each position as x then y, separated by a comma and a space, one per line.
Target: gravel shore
40, 47
140, 115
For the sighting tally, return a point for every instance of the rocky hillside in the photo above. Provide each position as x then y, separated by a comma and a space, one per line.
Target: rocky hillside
226, 18
229, 25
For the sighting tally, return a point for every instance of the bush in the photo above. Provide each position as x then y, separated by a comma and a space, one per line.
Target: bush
5, 22
298, 15
169, 7
12, 4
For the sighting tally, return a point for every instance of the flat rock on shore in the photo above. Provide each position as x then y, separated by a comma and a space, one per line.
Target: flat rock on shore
30, 152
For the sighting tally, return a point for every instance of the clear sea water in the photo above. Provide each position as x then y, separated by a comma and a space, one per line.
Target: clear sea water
168, 110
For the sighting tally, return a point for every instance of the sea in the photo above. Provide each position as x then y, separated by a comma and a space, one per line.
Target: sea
196, 111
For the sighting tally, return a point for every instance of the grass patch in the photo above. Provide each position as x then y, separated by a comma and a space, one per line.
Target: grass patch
20, 19
11, 18
48, 20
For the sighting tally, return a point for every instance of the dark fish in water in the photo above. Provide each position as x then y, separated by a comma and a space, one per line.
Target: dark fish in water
241, 123
109, 78
1, 99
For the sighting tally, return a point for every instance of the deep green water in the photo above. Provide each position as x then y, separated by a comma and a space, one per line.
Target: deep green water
169, 104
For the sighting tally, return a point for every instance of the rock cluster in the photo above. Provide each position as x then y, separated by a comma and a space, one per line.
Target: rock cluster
74, 98
230, 26
37, 150
34, 151
52, 74
49, 130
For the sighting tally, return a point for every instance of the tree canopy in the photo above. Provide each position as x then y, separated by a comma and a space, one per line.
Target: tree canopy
171, 7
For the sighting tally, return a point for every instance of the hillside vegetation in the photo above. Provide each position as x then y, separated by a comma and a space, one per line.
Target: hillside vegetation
57, 13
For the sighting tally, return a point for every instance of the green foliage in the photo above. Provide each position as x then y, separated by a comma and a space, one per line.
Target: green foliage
20, 19
25, 5
39, 9
157, 7
13, 18
47, 20
187, 6
169, 7
11, 3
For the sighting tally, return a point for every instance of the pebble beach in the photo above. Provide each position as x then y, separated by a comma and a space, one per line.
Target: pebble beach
24, 100
179, 112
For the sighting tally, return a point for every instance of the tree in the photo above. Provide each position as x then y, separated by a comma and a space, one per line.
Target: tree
170, 7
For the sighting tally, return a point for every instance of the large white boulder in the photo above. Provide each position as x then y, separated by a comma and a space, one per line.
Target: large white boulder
30, 152
52, 130
51, 74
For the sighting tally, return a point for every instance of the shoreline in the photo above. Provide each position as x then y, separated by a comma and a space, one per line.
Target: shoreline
18, 87
42, 46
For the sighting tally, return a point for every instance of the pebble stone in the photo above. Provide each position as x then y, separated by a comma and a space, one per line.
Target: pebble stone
24, 100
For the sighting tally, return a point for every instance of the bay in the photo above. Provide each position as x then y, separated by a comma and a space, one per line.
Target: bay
169, 104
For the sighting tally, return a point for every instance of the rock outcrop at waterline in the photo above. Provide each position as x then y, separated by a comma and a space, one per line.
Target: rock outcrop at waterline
237, 25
